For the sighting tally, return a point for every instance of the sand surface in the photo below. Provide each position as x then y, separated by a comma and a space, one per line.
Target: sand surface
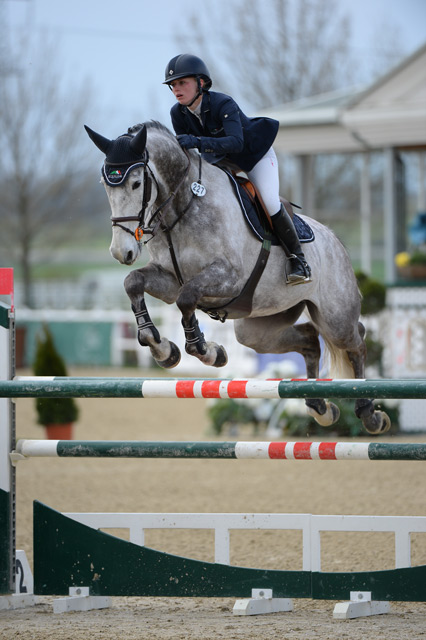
356, 487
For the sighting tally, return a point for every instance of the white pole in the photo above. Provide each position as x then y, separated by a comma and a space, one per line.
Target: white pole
366, 264
421, 195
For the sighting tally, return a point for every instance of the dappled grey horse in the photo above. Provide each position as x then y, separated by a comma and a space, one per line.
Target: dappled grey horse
203, 255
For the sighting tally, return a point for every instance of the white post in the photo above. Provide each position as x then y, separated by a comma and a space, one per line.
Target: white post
14, 593
304, 193
389, 214
421, 195
366, 263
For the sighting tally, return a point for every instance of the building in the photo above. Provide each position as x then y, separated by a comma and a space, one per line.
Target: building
389, 116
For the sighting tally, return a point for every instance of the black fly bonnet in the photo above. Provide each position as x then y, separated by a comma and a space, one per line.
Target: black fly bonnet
123, 154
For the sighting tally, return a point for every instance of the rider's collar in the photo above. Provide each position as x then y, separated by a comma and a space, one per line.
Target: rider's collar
115, 175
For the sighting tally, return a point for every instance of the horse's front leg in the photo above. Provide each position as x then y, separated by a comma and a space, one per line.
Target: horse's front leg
216, 281
152, 279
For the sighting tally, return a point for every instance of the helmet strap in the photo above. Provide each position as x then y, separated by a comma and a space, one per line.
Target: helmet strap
192, 101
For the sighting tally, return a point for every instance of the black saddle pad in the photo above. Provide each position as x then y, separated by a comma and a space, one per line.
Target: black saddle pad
303, 230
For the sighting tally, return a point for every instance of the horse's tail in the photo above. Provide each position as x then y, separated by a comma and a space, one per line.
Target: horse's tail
336, 362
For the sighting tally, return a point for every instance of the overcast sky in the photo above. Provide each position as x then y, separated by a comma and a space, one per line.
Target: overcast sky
122, 47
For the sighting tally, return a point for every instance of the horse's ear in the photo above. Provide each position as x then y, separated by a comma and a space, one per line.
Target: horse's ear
102, 143
138, 143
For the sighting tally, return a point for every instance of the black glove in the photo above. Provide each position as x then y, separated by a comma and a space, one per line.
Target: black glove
188, 141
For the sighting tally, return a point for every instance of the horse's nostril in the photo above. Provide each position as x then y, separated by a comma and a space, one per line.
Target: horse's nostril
129, 257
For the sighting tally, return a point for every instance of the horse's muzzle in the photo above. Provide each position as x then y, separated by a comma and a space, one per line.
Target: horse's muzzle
127, 257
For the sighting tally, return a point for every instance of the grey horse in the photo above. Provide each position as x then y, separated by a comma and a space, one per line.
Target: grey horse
202, 255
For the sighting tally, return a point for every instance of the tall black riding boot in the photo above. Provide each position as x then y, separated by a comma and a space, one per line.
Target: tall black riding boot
284, 229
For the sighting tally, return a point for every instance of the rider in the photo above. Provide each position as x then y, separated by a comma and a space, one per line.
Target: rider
214, 124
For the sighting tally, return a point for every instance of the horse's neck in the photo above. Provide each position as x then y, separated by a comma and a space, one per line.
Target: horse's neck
174, 181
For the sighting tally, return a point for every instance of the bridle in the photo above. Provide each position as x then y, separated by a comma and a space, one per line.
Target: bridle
148, 178
156, 221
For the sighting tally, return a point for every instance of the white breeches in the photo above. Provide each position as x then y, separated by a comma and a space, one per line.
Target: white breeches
265, 178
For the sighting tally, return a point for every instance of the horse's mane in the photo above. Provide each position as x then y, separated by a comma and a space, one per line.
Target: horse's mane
151, 124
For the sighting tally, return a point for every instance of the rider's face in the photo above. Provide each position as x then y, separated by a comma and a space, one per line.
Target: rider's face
185, 89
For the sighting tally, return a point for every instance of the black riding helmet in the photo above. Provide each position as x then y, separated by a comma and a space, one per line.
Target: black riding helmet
186, 65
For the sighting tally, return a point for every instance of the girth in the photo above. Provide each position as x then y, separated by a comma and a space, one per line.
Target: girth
241, 306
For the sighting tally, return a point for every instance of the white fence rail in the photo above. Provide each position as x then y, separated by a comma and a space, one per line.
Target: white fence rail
222, 523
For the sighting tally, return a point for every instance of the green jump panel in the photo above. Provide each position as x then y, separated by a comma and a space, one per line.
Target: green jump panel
5, 543
4, 316
408, 585
67, 553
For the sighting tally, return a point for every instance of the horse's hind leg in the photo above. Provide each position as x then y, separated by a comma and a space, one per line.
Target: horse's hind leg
323, 411
374, 422
274, 335
346, 344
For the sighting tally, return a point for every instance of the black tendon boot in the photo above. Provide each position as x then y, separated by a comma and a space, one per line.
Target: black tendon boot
284, 229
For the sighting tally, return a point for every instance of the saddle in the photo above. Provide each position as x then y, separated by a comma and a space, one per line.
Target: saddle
257, 216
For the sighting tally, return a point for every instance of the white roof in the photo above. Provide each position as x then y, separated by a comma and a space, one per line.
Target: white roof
389, 113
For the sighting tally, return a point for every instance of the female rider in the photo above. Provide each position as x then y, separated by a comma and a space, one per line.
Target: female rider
214, 124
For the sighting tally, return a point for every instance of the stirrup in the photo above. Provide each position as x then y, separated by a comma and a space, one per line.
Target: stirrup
298, 278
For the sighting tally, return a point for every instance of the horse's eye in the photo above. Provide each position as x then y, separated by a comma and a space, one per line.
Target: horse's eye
136, 185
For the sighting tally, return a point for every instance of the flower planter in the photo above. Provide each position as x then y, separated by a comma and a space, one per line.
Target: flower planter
59, 431
413, 271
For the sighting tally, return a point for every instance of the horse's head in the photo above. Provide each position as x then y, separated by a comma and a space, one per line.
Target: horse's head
128, 187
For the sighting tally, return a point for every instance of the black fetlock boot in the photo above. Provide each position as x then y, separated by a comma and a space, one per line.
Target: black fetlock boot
284, 229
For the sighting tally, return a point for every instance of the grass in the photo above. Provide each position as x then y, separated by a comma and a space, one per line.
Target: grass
70, 271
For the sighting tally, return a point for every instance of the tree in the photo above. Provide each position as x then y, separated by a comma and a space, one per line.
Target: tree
268, 53
287, 50
46, 166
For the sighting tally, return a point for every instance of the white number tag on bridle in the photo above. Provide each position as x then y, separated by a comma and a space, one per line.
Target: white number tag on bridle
198, 189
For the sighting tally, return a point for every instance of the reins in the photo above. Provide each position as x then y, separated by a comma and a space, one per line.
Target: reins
167, 230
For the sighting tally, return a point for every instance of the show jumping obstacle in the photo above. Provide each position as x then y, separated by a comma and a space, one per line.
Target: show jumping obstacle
71, 553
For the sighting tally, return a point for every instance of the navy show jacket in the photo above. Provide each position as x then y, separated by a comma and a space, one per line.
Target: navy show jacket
226, 131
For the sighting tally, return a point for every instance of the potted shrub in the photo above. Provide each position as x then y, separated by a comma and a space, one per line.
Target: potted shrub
56, 414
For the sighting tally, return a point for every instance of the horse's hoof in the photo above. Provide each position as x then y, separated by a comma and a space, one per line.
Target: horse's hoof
221, 357
331, 415
173, 359
378, 423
